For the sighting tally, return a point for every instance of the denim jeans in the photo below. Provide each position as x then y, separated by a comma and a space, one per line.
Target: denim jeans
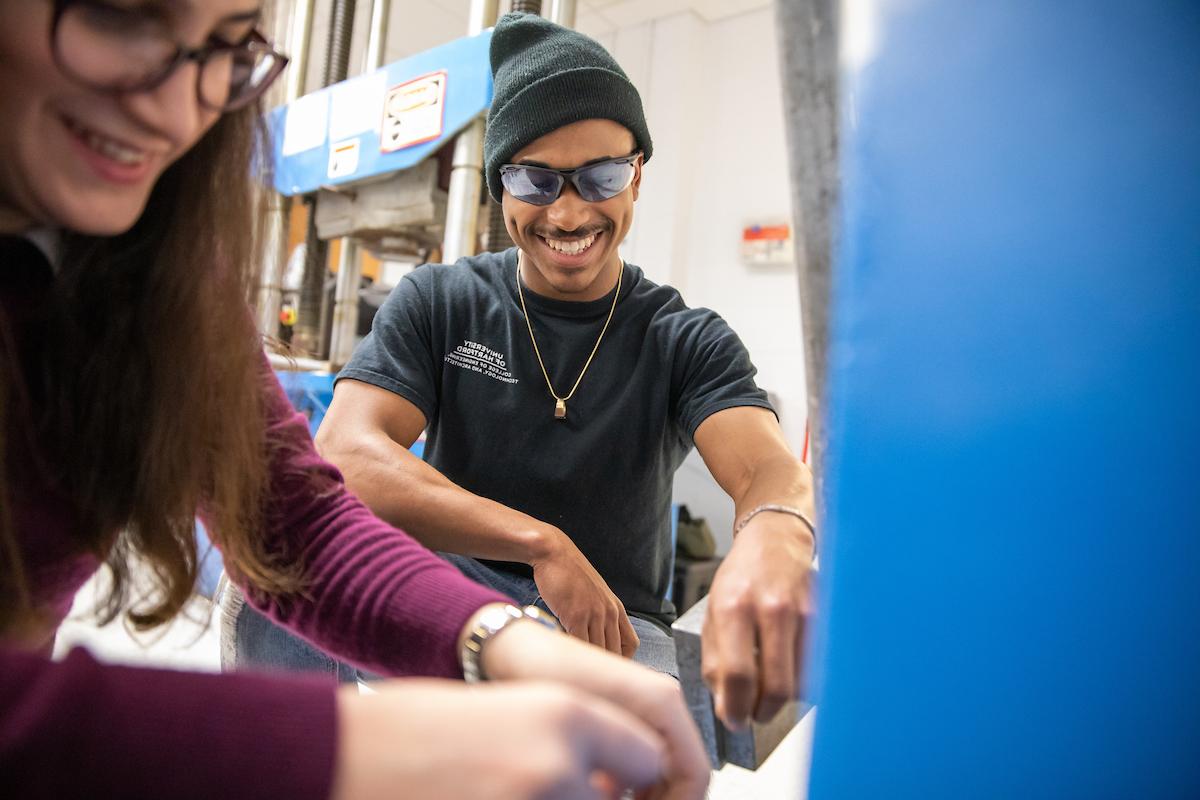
251, 641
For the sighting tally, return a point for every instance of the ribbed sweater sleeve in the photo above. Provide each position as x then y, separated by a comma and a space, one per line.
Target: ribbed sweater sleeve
80, 729
376, 597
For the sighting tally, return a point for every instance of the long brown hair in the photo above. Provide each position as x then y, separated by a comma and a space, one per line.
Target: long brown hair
142, 388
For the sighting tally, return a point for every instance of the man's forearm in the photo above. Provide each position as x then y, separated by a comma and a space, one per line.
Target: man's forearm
745, 450
780, 480
410, 494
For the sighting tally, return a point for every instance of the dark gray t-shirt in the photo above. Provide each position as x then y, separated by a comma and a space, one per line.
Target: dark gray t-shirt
452, 340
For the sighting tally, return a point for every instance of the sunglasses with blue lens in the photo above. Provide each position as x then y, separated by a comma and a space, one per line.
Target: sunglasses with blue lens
541, 186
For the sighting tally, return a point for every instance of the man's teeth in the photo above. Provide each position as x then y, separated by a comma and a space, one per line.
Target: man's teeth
571, 247
111, 148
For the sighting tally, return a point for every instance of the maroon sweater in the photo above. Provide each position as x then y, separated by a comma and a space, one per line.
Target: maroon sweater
81, 729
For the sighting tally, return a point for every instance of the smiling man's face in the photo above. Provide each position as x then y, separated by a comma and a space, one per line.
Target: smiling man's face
551, 237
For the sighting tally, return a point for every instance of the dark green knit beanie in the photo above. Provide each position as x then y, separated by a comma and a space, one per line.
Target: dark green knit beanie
546, 76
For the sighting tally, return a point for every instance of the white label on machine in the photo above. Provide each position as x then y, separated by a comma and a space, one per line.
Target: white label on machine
305, 123
767, 244
355, 105
343, 158
413, 112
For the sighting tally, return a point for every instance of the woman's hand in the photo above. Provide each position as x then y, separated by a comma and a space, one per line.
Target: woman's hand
444, 740
528, 651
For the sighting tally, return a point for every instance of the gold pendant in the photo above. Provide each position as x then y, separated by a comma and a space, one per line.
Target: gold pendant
560, 409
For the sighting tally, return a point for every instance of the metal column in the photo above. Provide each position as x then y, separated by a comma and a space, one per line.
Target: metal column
310, 329
374, 56
295, 32
808, 44
466, 176
344, 325
562, 12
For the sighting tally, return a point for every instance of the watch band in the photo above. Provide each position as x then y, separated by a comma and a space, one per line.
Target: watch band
489, 621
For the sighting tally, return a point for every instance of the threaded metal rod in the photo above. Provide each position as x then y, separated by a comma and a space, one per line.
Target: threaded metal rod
311, 334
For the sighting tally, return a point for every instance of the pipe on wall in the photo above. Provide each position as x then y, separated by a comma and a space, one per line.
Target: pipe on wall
466, 173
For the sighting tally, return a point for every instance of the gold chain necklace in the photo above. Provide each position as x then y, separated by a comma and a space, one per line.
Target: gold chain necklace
560, 403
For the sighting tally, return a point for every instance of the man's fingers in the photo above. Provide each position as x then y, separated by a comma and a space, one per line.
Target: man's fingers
629, 637
575, 628
728, 662
597, 634
612, 635
780, 627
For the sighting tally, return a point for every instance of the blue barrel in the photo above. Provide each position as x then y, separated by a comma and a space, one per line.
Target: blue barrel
1011, 562
309, 392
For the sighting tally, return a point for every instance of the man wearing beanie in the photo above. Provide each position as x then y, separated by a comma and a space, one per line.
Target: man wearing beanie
560, 389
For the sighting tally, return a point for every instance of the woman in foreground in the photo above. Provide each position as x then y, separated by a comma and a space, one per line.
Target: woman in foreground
134, 395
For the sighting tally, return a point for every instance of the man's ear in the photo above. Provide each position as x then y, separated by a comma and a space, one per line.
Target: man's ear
637, 178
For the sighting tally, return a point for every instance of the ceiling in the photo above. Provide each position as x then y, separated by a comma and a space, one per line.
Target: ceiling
599, 17
418, 25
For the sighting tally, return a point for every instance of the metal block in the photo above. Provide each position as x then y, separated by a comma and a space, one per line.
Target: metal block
693, 577
751, 747
748, 748
699, 699
371, 211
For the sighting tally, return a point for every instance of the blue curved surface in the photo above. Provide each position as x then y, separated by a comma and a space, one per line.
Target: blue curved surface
1011, 564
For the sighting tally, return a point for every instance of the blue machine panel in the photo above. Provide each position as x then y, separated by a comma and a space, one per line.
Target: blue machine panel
1011, 561
309, 133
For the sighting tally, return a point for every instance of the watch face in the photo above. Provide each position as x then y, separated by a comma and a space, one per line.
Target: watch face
490, 620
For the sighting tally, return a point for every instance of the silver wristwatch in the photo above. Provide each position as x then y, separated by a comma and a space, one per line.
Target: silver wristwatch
490, 621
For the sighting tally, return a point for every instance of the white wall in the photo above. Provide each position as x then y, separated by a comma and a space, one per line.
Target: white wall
713, 103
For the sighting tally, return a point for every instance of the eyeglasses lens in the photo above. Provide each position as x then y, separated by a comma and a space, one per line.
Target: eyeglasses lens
128, 49
111, 46
603, 181
532, 185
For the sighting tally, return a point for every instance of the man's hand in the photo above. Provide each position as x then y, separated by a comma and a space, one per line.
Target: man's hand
757, 611
367, 433
580, 598
760, 598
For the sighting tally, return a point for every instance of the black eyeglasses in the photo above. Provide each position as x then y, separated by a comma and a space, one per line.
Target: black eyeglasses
117, 49
541, 186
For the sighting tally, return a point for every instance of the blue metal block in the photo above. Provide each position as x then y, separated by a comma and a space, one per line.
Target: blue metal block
468, 94
1011, 556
